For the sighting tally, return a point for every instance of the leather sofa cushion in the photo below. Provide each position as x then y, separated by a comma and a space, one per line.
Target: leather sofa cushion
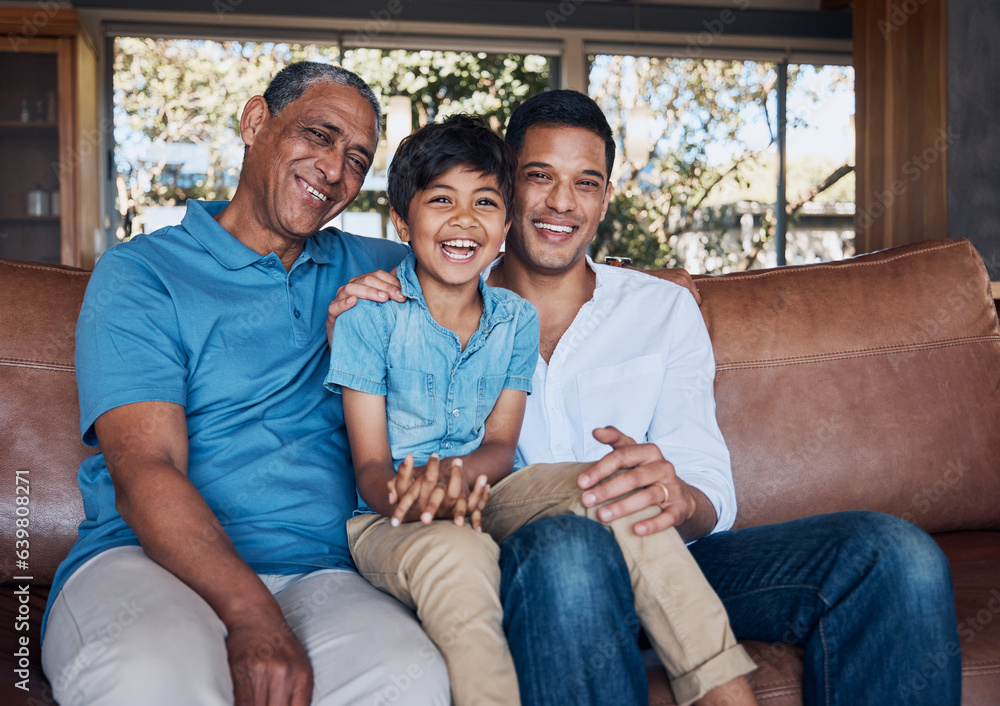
871, 383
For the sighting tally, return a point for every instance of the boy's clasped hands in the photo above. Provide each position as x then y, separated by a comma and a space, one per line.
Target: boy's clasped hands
437, 490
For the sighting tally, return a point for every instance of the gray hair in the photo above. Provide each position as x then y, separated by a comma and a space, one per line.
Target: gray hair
292, 81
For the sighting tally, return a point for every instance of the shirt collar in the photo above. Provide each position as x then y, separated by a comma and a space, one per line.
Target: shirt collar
598, 271
495, 309
199, 221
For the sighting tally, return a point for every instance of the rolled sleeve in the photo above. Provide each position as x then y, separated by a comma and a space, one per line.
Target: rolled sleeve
684, 426
358, 350
525, 351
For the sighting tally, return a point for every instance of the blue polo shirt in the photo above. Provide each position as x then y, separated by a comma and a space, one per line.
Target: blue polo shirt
437, 395
192, 316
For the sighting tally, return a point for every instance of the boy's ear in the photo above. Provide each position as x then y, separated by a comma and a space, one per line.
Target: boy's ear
399, 224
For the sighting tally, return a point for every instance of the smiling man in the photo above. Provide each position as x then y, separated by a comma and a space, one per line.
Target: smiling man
216, 505
625, 375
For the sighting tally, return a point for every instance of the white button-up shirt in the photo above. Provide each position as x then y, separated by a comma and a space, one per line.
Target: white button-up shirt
638, 357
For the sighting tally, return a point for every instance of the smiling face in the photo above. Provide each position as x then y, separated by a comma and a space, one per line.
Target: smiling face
455, 225
561, 196
306, 164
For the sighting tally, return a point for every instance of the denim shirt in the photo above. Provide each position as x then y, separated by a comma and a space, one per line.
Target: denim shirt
437, 396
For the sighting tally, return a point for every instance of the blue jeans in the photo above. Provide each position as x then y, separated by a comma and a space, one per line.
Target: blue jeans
569, 616
868, 595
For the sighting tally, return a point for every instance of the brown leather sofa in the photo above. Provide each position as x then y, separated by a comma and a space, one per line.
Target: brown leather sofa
872, 383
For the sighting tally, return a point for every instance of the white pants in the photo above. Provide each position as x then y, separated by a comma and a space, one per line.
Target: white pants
125, 631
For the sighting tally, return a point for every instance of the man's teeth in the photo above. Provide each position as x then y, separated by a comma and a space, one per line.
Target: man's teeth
470, 244
321, 197
554, 228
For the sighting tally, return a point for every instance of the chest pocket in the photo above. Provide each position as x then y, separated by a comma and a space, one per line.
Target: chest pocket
409, 402
623, 395
490, 387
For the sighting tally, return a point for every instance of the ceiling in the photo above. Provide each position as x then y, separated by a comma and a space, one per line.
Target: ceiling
775, 18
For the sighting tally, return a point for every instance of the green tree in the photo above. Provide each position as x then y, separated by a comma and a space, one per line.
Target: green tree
700, 109
170, 92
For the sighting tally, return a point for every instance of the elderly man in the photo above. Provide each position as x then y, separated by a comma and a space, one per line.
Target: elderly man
213, 565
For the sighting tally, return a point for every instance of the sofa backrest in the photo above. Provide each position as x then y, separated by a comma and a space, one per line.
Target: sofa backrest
870, 383
40, 448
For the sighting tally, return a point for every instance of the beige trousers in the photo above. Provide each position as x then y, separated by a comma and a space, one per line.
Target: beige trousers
454, 589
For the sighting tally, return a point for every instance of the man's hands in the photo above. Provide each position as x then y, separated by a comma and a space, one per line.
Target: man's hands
268, 663
640, 466
437, 490
377, 286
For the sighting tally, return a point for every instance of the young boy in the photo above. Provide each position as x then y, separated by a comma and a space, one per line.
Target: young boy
448, 372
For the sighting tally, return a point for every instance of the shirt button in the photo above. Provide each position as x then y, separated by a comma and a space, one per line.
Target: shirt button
448, 445
455, 413
270, 263
297, 313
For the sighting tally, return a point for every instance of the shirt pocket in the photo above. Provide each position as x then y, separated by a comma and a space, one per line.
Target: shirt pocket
489, 389
623, 395
409, 399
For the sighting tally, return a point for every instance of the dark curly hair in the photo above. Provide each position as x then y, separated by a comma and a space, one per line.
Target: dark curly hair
434, 149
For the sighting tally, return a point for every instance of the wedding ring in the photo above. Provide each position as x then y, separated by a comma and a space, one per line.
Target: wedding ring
666, 493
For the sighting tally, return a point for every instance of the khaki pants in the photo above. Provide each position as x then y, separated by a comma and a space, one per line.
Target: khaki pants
124, 631
684, 619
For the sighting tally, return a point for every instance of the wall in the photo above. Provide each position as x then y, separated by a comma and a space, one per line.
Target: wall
974, 117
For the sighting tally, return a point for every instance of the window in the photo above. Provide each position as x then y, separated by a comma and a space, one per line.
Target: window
701, 192
177, 104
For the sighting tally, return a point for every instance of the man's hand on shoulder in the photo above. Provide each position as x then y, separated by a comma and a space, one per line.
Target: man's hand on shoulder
377, 286
634, 477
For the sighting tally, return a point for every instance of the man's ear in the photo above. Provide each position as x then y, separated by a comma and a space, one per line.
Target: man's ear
399, 224
255, 116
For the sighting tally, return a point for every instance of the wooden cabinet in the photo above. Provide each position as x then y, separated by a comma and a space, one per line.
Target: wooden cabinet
49, 137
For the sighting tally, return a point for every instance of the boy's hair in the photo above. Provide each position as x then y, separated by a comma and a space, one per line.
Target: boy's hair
561, 108
461, 140
290, 83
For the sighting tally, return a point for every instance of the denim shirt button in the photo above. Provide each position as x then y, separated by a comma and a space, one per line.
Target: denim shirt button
448, 445
455, 413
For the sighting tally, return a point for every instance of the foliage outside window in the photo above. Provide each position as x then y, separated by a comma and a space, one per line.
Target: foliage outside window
177, 105
705, 197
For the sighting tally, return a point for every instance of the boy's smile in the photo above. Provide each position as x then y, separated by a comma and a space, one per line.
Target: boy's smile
456, 226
